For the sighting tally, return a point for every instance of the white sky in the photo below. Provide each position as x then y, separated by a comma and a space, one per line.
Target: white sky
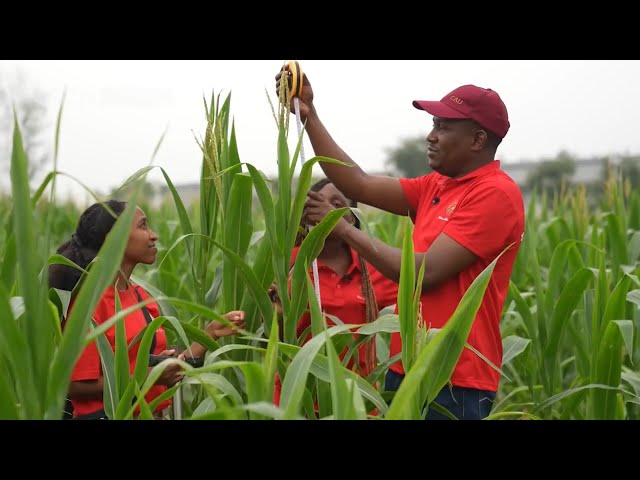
116, 111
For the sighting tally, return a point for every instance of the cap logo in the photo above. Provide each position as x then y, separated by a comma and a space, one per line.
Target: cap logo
458, 100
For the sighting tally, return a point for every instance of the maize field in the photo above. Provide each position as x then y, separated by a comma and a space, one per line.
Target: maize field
569, 326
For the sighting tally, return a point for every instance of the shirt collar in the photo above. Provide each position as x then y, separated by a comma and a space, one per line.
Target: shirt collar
355, 262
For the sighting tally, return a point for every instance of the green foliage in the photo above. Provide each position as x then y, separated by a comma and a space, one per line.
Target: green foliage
569, 327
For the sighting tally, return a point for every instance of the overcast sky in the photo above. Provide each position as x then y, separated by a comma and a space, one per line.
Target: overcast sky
116, 111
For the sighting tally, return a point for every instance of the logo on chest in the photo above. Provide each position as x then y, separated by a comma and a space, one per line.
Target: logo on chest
451, 208
448, 211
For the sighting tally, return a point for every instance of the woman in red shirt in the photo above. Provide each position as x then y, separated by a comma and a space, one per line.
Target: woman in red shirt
86, 387
350, 288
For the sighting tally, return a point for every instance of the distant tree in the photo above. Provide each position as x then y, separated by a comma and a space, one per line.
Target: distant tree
409, 158
32, 110
550, 175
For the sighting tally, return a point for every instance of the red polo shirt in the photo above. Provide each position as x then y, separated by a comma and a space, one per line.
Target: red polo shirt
484, 212
88, 366
342, 297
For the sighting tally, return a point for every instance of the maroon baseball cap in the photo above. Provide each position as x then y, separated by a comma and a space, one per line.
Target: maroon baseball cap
482, 105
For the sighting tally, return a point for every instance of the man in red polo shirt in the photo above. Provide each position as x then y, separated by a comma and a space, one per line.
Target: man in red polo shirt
465, 213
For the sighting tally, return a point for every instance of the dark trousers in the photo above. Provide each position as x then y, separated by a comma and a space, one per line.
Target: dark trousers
463, 403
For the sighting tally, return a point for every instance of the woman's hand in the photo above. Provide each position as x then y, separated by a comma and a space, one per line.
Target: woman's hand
171, 375
317, 207
218, 329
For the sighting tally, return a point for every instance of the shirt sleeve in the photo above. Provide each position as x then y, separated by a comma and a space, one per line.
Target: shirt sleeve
385, 289
484, 222
413, 189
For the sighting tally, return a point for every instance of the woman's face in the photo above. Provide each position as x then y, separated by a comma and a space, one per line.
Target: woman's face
141, 247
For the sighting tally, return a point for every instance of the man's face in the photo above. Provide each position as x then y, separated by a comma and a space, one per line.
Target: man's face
450, 145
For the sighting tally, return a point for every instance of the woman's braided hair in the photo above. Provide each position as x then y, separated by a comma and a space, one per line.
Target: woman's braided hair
83, 246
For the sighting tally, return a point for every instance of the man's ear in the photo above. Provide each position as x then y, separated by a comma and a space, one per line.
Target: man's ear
480, 139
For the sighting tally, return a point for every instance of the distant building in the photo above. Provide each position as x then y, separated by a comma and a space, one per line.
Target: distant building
587, 171
189, 192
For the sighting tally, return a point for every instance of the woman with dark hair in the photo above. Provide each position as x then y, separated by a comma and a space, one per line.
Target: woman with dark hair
86, 387
350, 288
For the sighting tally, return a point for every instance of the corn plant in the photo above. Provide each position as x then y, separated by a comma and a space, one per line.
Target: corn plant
569, 327
572, 296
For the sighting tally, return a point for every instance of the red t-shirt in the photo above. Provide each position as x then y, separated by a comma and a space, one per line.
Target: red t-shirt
342, 297
89, 367
484, 212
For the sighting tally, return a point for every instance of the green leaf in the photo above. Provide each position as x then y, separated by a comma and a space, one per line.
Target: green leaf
8, 402
14, 349
616, 305
488, 362
565, 305
270, 362
110, 392
268, 209
295, 380
263, 269
436, 363
309, 250
9, 262
219, 382
626, 330
512, 346
634, 297
165, 308
572, 391
557, 273
341, 393
33, 291
283, 203
389, 323
254, 286
524, 310
406, 289
320, 369
237, 233
608, 372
